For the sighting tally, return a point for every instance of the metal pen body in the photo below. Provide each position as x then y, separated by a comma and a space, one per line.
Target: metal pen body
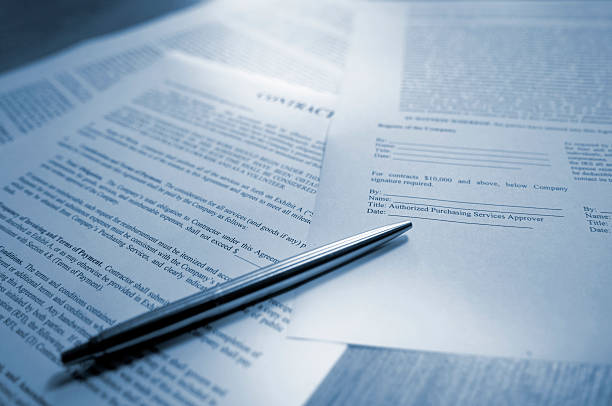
232, 295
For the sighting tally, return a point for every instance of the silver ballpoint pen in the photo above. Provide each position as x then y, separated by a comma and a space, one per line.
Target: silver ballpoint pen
232, 295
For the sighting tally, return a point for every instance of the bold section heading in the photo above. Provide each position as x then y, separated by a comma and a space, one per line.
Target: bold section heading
295, 104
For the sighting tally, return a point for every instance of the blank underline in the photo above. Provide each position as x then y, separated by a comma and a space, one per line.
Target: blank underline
472, 154
244, 259
490, 211
460, 222
482, 204
456, 164
470, 159
468, 148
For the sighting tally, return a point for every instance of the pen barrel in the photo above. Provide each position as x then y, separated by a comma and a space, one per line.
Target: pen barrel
237, 293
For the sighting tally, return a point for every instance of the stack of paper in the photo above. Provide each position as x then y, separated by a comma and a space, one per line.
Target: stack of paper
490, 126
141, 168
153, 163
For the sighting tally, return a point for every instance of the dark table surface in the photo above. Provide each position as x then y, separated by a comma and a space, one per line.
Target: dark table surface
31, 29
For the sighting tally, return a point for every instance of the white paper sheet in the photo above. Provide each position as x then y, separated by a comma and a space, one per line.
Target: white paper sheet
183, 179
259, 37
489, 127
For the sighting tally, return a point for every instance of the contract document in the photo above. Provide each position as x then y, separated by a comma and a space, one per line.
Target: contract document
186, 178
489, 126
303, 44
